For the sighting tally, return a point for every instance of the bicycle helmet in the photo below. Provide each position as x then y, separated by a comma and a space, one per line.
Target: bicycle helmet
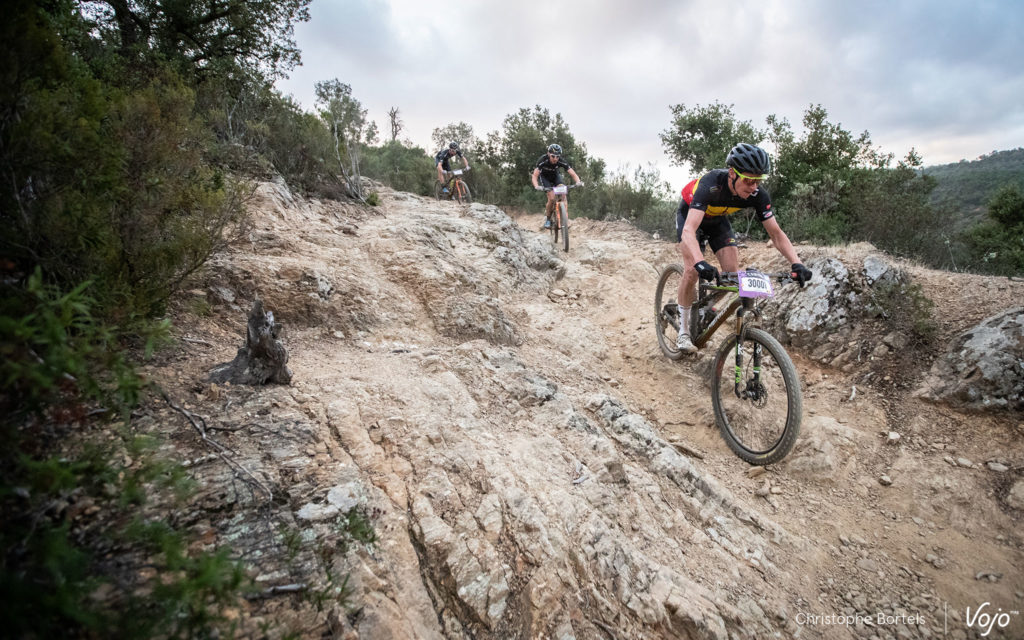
749, 160
454, 146
555, 149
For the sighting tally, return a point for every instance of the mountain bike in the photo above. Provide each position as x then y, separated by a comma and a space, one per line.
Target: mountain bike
560, 219
459, 190
757, 401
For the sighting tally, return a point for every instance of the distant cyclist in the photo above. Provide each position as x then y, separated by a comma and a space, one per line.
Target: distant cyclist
707, 203
443, 159
547, 172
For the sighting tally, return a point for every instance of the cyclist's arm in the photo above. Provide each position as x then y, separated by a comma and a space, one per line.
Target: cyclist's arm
536, 174
572, 172
779, 240
688, 245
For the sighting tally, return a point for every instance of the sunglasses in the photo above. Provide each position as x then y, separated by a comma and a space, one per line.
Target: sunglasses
750, 179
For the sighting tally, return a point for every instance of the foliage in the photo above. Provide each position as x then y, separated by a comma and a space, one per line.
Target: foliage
460, 132
205, 38
346, 120
701, 137
524, 137
964, 188
996, 245
905, 307
400, 167
61, 364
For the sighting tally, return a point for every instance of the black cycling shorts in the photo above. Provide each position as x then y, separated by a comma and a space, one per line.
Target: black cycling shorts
713, 230
547, 183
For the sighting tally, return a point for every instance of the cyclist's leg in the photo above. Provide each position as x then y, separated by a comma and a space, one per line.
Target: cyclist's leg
549, 206
723, 243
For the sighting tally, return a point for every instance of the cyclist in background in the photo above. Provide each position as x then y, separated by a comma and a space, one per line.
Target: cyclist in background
443, 159
548, 174
707, 203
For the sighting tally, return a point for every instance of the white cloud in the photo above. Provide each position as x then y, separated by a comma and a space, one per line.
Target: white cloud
942, 77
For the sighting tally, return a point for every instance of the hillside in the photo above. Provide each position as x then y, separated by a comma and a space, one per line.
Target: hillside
964, 188
531, 465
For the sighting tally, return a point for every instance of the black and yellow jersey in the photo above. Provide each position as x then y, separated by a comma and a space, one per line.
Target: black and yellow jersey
710, 194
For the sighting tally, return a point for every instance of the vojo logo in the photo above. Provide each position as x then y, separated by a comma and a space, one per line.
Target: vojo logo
984, 619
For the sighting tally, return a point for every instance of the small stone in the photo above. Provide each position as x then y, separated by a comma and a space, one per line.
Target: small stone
753, 472
893, 437
998, 467
885, 480
764, 490
964, 462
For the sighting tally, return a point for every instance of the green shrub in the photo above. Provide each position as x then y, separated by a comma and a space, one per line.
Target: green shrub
905, 305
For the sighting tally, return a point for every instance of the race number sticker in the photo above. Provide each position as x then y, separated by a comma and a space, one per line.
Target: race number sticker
754, 284
561, 189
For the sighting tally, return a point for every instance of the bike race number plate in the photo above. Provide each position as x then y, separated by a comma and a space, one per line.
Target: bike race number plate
754, 284
561, 190
457, 172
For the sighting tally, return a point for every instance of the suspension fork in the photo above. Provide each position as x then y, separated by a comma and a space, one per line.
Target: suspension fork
741, 334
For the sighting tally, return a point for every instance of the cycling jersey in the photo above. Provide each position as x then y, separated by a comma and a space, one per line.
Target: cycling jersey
549, 171
710, 194
445, 159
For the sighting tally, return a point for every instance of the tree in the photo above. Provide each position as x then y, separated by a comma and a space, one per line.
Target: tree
996, 245
701, 137
346, 119
204, 36
525, 135
396, 123
461, 133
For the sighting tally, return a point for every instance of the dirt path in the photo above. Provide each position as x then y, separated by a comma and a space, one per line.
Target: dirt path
454, 386
934, 541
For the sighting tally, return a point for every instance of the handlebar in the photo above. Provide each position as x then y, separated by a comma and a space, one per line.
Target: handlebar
567, 186
729, 278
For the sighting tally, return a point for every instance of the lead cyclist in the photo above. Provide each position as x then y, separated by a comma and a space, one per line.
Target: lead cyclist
707, 203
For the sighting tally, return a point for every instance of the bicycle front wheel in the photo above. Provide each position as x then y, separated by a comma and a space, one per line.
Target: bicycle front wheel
666, 310
462, 193
437, 191
756, 396
563, 222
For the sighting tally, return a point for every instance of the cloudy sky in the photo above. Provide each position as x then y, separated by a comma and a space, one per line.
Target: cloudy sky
945, 77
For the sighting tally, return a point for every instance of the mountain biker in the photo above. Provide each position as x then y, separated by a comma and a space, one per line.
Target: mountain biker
443, 159
707, 203
547, 171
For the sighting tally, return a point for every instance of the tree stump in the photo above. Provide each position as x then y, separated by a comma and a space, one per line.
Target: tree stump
262, 358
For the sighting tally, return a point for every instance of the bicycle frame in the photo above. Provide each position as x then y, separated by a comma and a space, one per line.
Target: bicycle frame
561, 195
459, 190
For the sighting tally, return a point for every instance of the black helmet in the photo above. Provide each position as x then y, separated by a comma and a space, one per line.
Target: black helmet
454, 146
555, 149
749, 160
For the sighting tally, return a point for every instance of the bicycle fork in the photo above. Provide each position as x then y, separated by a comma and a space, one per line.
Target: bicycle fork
753, 389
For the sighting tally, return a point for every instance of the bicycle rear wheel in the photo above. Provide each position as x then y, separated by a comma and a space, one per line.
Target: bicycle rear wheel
756, 397
666, 310
462, 193
563, 222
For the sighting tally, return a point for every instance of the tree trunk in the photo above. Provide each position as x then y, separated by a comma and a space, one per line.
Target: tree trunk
262, 358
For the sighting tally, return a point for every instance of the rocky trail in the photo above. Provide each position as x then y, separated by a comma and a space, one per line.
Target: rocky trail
532, 467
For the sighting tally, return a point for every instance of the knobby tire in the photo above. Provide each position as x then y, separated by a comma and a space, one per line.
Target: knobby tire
666, 321
763, 430
563, 218
463, 194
